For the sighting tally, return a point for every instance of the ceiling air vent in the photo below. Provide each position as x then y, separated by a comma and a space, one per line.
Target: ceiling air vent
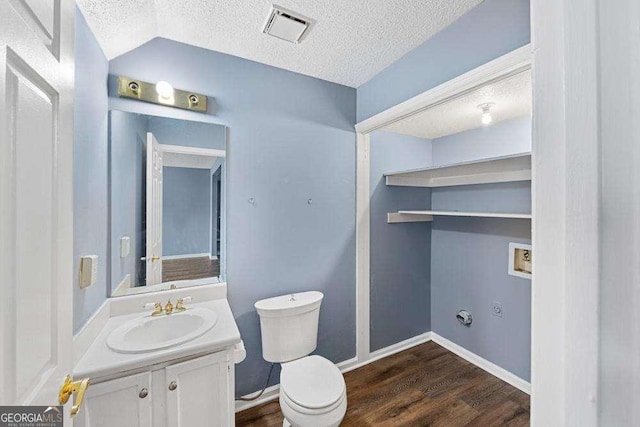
286, 25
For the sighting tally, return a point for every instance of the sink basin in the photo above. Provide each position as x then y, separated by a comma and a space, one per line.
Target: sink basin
148, 333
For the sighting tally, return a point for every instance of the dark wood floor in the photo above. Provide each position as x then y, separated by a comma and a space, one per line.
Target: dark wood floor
189, 268
423, 386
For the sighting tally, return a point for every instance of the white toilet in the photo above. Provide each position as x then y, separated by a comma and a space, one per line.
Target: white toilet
312, 389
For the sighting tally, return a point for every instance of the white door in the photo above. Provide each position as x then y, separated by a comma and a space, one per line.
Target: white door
124, 402
199, 392
36, 199
154, 211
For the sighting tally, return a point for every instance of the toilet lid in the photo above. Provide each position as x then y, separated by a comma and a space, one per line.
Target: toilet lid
312, 382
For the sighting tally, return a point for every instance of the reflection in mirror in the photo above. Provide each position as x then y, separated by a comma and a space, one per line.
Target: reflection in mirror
167, 203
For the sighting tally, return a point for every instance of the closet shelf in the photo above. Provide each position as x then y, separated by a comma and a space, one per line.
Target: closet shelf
498, 169
427, 216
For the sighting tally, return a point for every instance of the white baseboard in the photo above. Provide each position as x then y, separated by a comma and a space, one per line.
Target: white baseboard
202, 255
482, 363
272, 393
398, 347
350, 365
347, 365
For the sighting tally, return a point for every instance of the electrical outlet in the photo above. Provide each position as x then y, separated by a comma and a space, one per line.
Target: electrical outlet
497, 309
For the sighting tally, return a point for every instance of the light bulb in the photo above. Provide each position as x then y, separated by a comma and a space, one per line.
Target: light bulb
486, 118
164, 89
486, 113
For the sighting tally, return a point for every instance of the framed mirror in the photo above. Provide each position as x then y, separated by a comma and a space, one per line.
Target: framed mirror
167, 191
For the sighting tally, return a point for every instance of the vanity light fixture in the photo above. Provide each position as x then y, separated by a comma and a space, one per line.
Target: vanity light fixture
486, 112
161, 93
164, 89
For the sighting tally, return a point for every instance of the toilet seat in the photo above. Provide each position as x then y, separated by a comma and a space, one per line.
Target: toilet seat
285, 400
296, 416
312, 385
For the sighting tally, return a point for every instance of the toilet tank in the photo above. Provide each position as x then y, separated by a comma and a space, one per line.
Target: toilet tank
289, 325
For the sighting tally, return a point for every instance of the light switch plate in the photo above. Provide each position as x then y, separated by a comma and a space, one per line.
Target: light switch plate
88, 270
125, 246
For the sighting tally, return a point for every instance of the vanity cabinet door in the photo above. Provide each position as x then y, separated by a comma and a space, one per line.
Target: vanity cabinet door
199, 392
124, 402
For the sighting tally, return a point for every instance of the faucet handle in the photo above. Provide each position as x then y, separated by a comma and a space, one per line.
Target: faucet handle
155, 305
180, 303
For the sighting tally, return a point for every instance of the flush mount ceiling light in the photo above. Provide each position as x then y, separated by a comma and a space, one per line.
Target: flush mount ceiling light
486, 112
287, 25
161, 93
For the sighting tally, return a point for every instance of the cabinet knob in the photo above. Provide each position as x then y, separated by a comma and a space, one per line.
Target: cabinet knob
173, 385
143, 393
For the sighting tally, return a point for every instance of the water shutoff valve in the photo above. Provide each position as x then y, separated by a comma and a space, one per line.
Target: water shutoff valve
464, 317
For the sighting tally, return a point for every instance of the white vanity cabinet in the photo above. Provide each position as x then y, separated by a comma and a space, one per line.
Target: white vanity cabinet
123, 402
198, 392
195, 392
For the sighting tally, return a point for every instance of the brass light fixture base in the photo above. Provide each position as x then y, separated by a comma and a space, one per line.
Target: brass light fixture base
144, 91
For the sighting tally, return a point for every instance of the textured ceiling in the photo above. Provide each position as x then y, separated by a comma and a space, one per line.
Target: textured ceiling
351, 41
512, 98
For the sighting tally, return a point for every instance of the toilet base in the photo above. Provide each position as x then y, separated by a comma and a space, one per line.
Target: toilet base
293, 418
286, 423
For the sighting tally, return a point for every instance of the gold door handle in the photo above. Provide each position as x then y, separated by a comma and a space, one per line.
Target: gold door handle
70, 387
155, 258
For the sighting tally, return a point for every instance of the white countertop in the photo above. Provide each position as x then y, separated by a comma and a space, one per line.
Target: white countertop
99, 361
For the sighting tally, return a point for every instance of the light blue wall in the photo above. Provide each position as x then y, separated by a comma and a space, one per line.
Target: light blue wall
501, 139
469, 259
90, 169
291, 139
127, 182
188, 133
488, 31
186, 211
400, 253
469, 256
